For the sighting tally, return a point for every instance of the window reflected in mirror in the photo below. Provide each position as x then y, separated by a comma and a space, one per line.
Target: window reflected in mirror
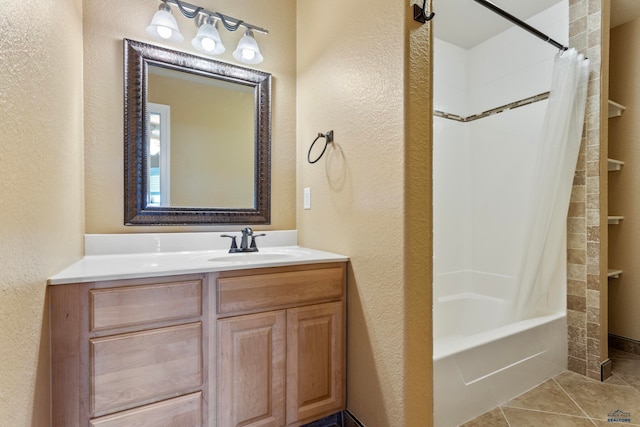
159, 155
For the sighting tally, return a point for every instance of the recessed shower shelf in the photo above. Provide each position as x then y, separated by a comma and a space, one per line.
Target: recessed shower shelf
614, 274
615, 219
615, 109
614, 165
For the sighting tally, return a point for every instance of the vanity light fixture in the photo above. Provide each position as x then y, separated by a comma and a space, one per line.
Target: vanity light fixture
208, 38
164, 27
248, 50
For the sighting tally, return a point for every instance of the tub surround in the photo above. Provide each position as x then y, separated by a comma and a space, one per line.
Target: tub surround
504, 363
130, 256
483, 361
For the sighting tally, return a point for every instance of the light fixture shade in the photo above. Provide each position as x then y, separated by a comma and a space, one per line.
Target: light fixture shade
164, 26
248, 50
208, 39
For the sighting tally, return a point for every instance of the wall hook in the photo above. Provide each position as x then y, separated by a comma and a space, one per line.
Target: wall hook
328, 139
420, 13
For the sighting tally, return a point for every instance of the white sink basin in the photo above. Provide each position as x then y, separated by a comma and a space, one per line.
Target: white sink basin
265, 255
243, 257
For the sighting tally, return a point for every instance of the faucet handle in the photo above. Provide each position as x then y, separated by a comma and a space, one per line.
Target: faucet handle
253, 240
234, 244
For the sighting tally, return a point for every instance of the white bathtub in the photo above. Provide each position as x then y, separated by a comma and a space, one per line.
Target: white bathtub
478, 361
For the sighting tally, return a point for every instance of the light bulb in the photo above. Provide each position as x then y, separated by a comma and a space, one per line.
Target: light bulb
164, 32
248, 50
208, 44
164, 26
207, 39
248, 54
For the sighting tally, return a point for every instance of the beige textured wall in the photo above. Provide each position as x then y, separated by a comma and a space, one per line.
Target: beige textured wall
106, 23
624, 244
41, 202
370, 194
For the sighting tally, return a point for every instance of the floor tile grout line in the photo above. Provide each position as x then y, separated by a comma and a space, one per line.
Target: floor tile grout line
593, 420
620, 377
551, 413
572, 399
505, 416
525, 392
626, 384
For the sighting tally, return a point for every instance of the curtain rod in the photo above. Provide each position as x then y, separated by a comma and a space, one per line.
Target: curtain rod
521, 23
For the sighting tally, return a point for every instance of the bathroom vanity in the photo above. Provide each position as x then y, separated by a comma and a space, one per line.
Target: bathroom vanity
225, 341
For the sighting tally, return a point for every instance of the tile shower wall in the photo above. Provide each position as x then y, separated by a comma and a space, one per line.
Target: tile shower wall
484, 163
584, 229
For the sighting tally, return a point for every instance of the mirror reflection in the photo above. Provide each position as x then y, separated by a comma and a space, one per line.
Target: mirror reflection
201, 148
197, 139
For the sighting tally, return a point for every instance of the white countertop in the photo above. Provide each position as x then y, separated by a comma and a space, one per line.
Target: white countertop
128, 256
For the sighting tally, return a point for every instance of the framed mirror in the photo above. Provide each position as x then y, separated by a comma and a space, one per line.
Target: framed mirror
197, 139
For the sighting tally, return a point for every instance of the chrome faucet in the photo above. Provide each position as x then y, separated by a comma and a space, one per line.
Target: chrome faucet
245, 246
246, 232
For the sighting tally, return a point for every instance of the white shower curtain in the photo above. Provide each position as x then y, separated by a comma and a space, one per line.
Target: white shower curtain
544, 255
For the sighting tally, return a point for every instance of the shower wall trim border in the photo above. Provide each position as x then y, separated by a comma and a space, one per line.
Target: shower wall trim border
497, 110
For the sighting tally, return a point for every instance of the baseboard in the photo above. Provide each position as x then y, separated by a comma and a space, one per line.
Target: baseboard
350, 420
627, 345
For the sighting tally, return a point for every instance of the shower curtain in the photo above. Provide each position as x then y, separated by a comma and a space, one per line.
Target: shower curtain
544, 254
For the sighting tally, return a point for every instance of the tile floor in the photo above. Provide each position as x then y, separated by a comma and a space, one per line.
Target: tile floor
571, 400
335, 420
341, 419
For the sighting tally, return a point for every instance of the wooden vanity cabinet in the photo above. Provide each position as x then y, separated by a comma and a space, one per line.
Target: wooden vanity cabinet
130, 352
281, 345
253, 348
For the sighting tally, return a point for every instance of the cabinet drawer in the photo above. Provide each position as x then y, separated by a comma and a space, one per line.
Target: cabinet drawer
140, 367
137, 305
241, 294
185, 411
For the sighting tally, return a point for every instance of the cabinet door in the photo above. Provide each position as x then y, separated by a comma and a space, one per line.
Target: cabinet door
251, 370
315, 362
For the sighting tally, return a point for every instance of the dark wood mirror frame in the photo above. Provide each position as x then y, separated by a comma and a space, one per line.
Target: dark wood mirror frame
137, 58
